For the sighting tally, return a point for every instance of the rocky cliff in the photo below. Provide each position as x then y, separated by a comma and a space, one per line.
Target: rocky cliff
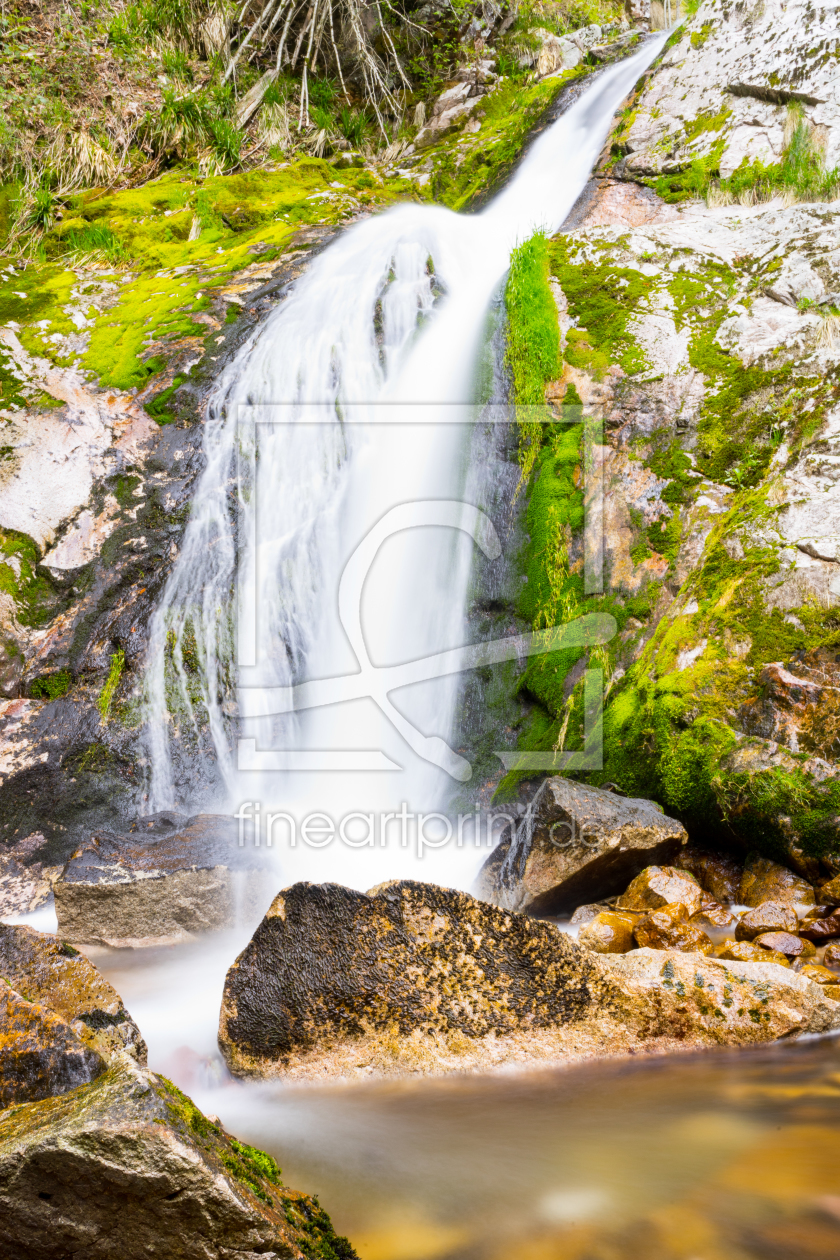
697, 289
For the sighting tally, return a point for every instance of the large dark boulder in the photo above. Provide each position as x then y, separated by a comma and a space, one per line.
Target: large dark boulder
329, 964
128, 1167
576, 844
412, 977
165, 880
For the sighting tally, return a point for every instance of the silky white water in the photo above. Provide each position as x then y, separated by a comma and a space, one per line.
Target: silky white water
350, 403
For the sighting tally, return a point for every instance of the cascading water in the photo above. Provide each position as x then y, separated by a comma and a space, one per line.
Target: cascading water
338, 410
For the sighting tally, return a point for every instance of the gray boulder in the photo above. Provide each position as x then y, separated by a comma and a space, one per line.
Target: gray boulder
167, 879
127, 1166
576, 844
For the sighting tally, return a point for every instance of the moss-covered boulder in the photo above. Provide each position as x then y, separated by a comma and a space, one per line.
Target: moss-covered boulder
128, 1166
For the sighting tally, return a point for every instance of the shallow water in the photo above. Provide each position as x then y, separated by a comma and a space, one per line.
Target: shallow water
718, 1156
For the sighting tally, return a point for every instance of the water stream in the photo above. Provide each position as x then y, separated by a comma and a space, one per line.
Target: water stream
348, 413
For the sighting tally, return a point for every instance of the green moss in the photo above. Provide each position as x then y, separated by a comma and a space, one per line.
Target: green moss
21, 578
111, 683
533, 344
603, 299
52, 686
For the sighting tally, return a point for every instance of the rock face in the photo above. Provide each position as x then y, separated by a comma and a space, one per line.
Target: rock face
736, 70
127, 1166
49, 972
416, 977
169, 879
576, 844
61, 1022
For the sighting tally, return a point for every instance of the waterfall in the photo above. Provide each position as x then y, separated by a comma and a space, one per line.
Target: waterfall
348, 410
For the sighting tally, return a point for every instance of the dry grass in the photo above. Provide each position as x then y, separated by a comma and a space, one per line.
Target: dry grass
829, 334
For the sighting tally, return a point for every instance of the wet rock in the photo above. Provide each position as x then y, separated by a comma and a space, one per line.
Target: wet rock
585, 914
669, 928
830, 892
167, 880
40, 1054
820, 975
576, 844
717, 874
127, 1166
608, 933
770, 916
821, 930
786, 943
831, 957
662, 886
57, 978
412, 977
713, 914
764, 880
746, 951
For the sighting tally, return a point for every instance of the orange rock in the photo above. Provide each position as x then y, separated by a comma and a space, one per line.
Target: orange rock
831, 957
662, 886
608, 933
745, 951
764, 880
771, 916
820, 975
830, 892
669, 928
821, 930
40, 1054
786, 943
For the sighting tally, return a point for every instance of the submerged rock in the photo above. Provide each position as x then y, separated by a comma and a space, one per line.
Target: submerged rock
127, 1166
576, 844
746, 951
167, 880
786, 943
413, 977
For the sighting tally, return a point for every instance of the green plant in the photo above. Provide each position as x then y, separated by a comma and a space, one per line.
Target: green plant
44, 204
322, 92
97, 239
111, 683
353, 125
533, 344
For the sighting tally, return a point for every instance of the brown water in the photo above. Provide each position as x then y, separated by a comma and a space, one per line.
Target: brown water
727, 1155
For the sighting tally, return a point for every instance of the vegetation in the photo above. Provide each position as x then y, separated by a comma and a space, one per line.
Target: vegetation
800, 175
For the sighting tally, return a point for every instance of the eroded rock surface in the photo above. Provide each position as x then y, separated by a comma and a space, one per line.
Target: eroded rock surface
127, 1166
170, 878
576, 844
421, 978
